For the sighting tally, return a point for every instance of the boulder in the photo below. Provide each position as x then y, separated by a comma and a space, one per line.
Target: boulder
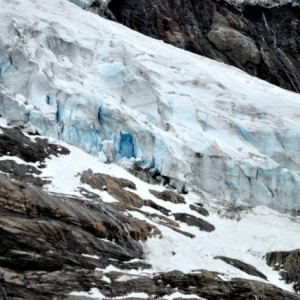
199, 209
114, 186
242, 49
168, 195
194, 221
155, 206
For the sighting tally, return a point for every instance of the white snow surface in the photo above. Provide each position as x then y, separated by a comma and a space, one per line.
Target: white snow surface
69, 74
248, 237
179, 295
94, 293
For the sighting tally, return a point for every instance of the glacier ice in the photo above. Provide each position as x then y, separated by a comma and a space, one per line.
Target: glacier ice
83, 3
126, 145
119, 95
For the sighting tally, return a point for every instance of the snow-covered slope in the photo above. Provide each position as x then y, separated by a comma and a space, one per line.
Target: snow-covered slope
69, 74
247, 235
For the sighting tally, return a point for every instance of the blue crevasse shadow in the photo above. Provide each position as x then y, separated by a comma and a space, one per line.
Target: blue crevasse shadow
100, 115
271, 191
126, 145
152, 163
245, 135
48, 99
58, 111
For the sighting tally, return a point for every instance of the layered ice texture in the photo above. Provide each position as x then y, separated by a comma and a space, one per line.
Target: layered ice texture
69, 74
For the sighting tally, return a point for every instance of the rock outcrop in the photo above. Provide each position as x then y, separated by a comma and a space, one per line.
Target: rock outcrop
242, 266
200, 284
198, 207
261, 41
288, 264
49, 239
168, 195
13, 142
22, 172
194, 221
114, 186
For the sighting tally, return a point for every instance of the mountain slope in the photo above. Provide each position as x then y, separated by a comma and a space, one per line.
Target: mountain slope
97, 231
82, 99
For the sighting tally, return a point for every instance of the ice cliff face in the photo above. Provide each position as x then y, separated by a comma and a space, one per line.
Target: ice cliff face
121, 96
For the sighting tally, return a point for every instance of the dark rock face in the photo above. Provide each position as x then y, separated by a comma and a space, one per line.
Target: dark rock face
168, 195
205, 284
279, 30
199, 209
194, 221
288, 264
22, 172
261, 41
242, 266
44, 236
145, 174
163, 220
154, 205
14, 143
61, 223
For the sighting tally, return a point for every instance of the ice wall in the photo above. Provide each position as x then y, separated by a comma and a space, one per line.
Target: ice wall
69, 74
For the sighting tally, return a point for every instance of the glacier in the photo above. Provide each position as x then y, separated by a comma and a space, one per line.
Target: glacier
122, 96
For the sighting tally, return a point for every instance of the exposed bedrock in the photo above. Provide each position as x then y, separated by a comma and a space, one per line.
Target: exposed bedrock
288, 265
